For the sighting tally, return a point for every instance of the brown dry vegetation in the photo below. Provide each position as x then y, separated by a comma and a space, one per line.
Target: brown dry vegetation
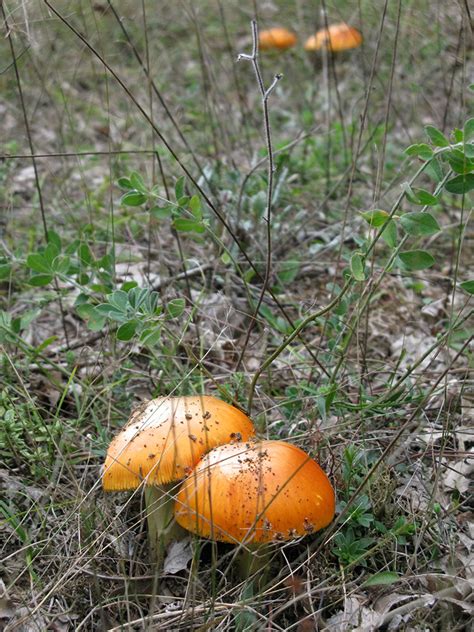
378, 389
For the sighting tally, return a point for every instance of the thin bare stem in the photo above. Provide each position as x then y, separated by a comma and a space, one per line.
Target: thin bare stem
265, 94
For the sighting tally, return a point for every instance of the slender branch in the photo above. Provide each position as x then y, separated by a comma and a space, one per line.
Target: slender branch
265, 94
76, 154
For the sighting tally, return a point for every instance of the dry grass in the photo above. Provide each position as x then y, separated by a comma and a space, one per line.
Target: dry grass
379, 390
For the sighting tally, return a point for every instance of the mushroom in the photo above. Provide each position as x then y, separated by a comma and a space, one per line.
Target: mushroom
336, 38
277, 38
255, 493
160, 444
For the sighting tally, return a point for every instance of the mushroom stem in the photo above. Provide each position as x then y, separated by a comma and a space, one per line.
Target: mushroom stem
253, 559
162, 527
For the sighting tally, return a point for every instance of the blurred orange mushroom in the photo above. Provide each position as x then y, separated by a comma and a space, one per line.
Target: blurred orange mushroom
162, 441
336, 38
277, 38
255, 493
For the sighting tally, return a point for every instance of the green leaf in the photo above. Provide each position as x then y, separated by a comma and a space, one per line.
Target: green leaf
61, 265
38, 280
85, 254
51, 252
127, 330
469, 150
385, 578
390, 233
136, 296
179, 187
96, 323
106, 262
85, 310
119, 299
375, 218
458, 135
288, 270
420, 196
416, 259
94, 320
460, 184
46, 343
175, 307
16, 325
188, 225
419, 224
38, 263
150, 336
107, 310
71, 248
195, 207
425, 197
161, 212
358, 267
433, 170
468, 286
54, 238
124, 183
81, 299
436, 136
469, 130
137, 182
277, 323
128, 285
226, 258
184, 201
133, 198
459, 162
420, 150
83, 278
5, 270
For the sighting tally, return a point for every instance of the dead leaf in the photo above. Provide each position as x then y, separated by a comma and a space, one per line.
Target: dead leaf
24, 621
179, 554
457, 476
6, 605
354, 617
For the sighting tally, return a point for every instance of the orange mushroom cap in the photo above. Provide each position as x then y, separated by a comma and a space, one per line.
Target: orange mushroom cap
276, 38
255, 493
337, 37
165, 437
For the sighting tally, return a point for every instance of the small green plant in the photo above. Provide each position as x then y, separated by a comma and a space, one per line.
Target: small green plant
73, 265
186, 212
135, 312
350, 546
441, 160
27, 441
360, 528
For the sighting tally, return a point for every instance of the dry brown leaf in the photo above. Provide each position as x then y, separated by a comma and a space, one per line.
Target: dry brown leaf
179, 555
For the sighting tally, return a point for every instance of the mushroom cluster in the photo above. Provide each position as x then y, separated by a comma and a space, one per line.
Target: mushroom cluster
161, 443
236, 488
335, 38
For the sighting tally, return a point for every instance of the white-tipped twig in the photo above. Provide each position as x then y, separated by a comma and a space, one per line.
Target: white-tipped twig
265, 94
